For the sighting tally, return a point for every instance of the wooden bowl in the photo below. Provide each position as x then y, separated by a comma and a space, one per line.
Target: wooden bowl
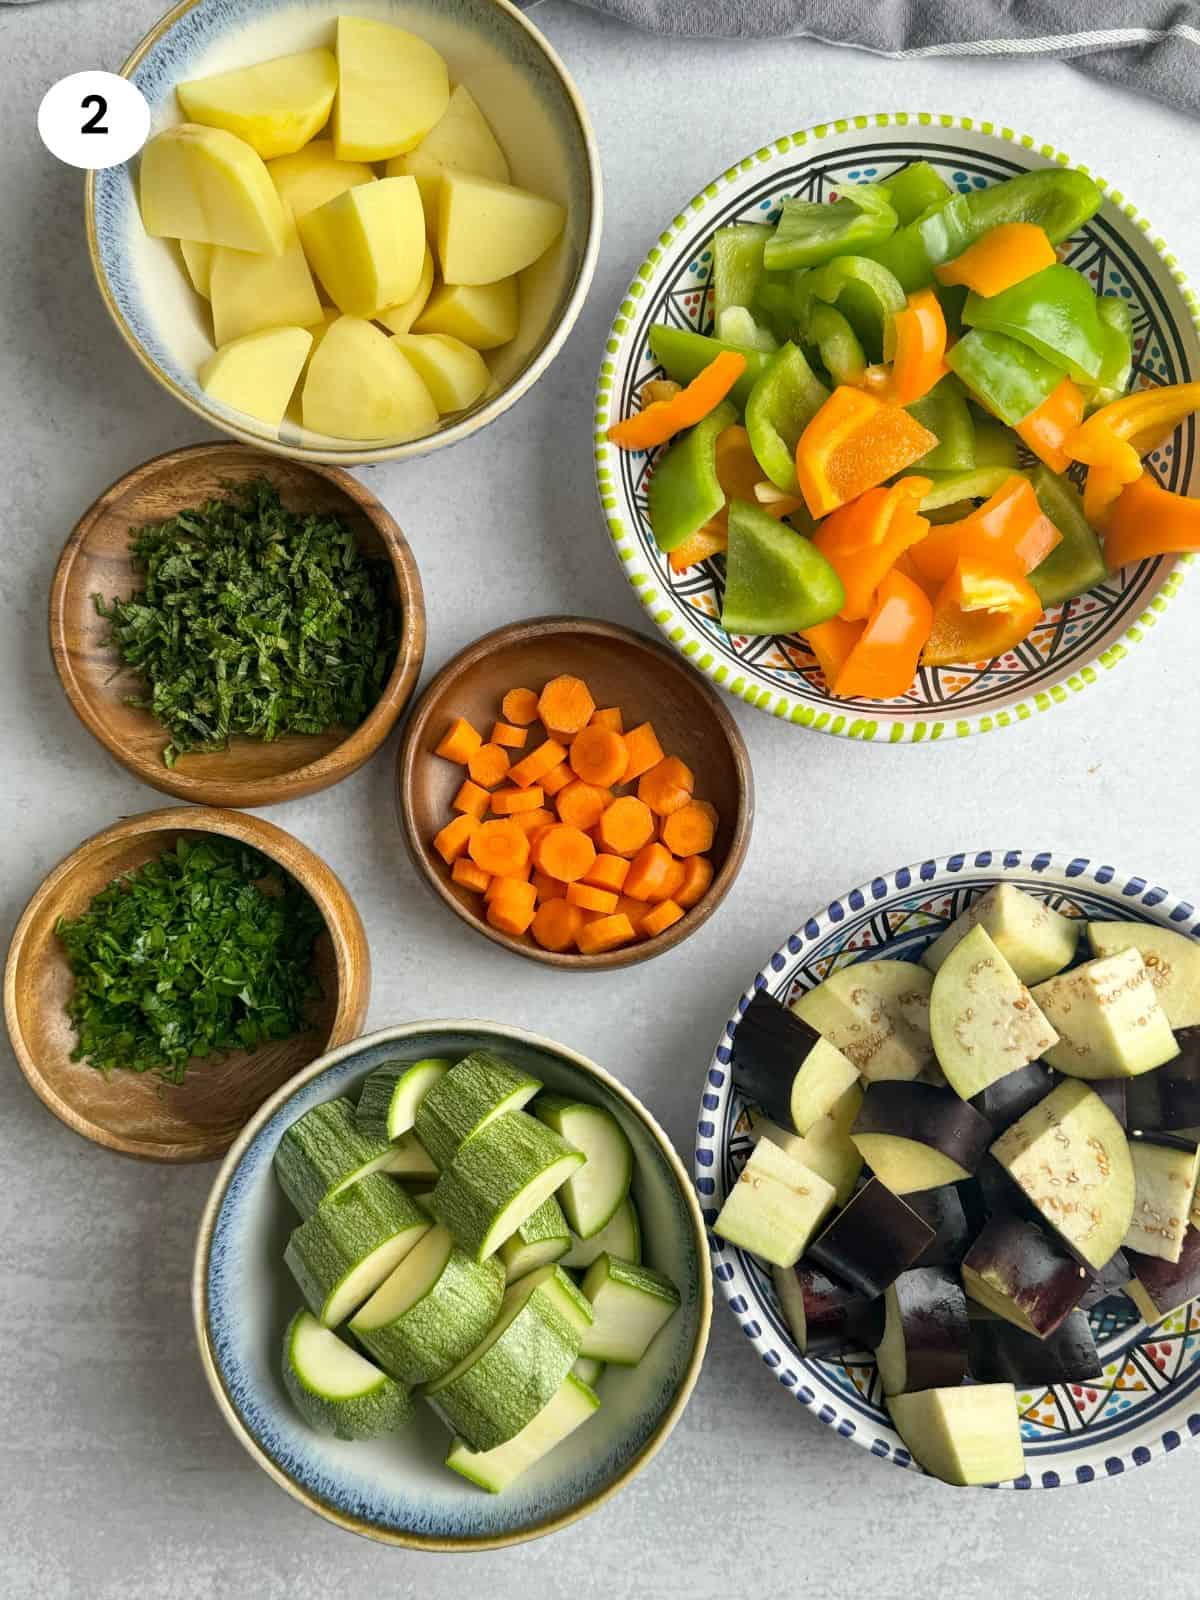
621, 668
135, 1113
96, 561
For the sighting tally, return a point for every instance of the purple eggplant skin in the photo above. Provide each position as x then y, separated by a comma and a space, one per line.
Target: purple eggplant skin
933, 1320
770, 1045
1111, 1279
1169, 1284
1010, 1097
1169, 1097
944, 1211
1114, 1092
1000, 1353
1000, 1196
929, 1116
1036, 1272
872, 1240
838, 1319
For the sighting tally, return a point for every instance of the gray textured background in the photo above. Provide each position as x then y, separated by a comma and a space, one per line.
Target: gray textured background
117, 1476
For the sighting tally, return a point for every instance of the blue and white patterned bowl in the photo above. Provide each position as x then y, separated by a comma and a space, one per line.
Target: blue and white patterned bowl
1076, 643
525, 92
396, 1489
1148, 1400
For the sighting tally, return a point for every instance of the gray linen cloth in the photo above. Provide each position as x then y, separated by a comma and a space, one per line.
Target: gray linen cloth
1151, 46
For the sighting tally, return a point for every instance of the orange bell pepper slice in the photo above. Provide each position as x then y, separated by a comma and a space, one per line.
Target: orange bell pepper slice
1107, 438
1046, 429
983, 610
1010, 527
853, 443
707, 541
1148, 520
1102, 488
862, 540
917, 339
663, 419
1007, 254
831, 642
883, 661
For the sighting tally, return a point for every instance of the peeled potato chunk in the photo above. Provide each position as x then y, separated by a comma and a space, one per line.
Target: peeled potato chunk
454, 374
257, 373
368, 245
392, 88
275, 106
490, 230
461, 142
484, 316
360, 386
207, 185
250, 292
400, 318
197, 258
313, 175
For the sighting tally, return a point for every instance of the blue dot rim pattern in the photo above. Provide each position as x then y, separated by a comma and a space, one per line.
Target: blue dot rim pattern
897, 916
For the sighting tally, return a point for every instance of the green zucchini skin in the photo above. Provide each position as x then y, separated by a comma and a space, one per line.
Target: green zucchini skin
592, 1196
631, 1303
433, 1335
573, 1404
376, 1114
323, 1150
381, 1409
542, 1238
489, 1175
343, 1231
490, 1396
462, 1103
622, 1237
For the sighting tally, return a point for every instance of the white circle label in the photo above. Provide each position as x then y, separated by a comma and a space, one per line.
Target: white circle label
93, 120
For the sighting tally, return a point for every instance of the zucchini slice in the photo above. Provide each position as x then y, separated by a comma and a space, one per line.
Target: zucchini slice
1033, 938
494, 1470
588, 1370
432, 1310
621, 1237
630, 1304
963, 1435
542, 1238
462, 1103
350, 1243
775, 1207
335, 1389
590, 1196
1070, 1157
500, 1386
877, 1014
984, 1021
325, 1151
387, 1106
500, 1177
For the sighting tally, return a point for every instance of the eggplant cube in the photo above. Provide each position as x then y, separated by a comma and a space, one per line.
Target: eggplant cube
785, 1066
775, 1207
1000, 1353
826, 1318
924, 1343
985, 1022
1164, 1172
877, 1014
1170, 1097
914, 1136
1108, 1019
1070, 1158
1012, 1096
1033, 938
1172, 960
1019, 1271
873, 1240
971, 1434
943, 1209
827, 1147
1160, 1287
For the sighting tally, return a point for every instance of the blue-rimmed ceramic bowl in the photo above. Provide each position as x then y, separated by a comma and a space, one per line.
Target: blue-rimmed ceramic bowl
1075, 643
524, 91
1148, 1400
396, 1489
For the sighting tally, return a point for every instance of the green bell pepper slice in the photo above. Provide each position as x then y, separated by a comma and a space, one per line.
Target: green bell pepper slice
866, 294
838, 344
944, 411
1006, 377
914, 189
682, 354
781, 405
980, 483
736, 326
1053, 312
1116, 319
738, 263
995, 445
776, 580
810, 233
1077, 563
1057, 199
684, 491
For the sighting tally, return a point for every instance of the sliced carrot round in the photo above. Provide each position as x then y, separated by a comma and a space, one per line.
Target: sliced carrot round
520, 706
688, 831
470, 876
513, 908
671, 884
666, 787
582, 804
556, 925
608, 872
650, 872
488, 765
563, 852
588, 898
509, 802
626, 826
697, 875
664, 916
548, 888
566, 705
500, 847
599, 756
512, 738
455, 838
605, 933
459, 742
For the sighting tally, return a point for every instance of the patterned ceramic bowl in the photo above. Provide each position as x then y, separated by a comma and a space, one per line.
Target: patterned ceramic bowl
525, 92
1075, 642
1148, 1400
396, 1489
